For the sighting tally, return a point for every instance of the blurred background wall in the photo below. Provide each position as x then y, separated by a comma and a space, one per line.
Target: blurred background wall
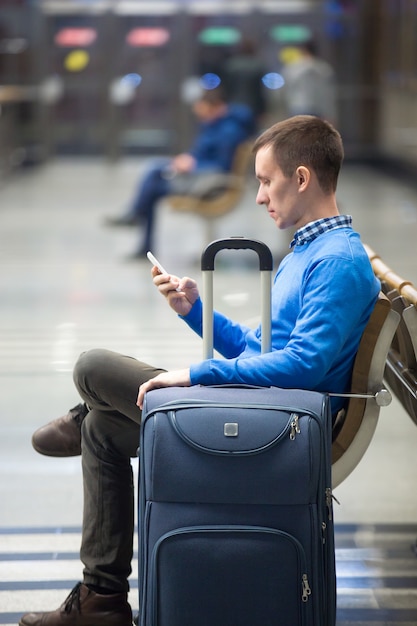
115, 77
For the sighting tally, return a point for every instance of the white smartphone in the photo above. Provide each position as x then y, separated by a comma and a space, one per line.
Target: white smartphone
161, 268
155, 262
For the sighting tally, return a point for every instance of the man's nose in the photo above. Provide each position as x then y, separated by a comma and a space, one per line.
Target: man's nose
260, 197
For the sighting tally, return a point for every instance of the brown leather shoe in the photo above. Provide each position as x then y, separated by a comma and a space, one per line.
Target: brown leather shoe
62, 436
84, 607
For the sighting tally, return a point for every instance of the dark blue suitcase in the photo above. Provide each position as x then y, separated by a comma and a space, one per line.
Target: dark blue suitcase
235, 508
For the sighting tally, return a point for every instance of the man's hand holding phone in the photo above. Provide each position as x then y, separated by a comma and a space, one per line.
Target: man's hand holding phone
180, 293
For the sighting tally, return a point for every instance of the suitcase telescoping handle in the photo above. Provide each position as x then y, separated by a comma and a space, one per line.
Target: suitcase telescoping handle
207, 269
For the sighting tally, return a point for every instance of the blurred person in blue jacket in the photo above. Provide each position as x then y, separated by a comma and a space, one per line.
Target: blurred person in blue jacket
222, 128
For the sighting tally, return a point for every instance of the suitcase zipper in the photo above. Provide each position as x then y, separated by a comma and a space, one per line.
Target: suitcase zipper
294, 426
306, 589
329, 502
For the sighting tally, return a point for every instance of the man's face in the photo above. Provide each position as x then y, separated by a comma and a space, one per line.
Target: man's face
204, 111
278, 193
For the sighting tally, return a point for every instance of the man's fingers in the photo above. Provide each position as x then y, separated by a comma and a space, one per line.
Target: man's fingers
142, 390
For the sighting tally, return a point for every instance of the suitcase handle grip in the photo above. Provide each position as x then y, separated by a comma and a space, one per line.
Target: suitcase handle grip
207, 268
237, 243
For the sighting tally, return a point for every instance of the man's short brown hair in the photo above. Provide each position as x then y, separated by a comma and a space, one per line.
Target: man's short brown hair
305, 140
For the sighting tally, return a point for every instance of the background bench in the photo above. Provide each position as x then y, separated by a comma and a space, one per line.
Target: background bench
219, 200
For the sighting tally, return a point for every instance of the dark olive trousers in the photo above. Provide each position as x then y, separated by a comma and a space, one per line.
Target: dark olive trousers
108, 383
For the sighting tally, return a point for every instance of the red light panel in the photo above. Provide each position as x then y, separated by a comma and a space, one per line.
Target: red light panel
75, 37
147, 37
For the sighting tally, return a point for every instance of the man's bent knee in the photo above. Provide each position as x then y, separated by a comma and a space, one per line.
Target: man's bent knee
87, 362
90, 368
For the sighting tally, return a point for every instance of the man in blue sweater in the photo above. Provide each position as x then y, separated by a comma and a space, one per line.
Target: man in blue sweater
322, 297
222, 128
323, 293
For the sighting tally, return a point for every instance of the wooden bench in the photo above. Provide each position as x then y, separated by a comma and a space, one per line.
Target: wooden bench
387, 353
401, 364
222, 200
355, 427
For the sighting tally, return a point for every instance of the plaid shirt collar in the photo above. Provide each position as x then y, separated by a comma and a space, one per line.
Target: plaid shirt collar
312, 230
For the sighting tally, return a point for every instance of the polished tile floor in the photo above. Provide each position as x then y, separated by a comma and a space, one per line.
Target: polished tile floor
65, 285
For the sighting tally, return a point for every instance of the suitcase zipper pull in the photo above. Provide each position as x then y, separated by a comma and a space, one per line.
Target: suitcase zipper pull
329, 501
306, 589
295, 429
324, 532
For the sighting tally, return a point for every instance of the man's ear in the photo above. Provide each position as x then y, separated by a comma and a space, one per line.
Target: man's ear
303, 177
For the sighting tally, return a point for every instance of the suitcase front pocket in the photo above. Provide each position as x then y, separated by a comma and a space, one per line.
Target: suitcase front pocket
228, 576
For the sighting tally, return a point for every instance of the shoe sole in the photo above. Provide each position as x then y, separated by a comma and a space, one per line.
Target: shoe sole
55, 454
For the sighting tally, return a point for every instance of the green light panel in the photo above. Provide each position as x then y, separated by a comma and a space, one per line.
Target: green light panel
290, 33
219, 36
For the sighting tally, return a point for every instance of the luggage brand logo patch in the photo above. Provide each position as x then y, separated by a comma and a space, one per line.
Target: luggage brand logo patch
231, 429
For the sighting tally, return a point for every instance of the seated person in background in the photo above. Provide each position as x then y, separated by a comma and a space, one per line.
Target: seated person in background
310, 84
222, 128
322, 296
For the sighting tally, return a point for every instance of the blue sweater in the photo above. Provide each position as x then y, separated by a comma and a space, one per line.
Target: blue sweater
322, 296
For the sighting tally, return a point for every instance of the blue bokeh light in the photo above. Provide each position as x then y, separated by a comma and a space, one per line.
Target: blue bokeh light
273, 80
210, 81
133, 80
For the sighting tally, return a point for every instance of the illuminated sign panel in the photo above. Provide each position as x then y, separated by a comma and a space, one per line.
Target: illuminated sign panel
75, 37
147, 37
219, 36
291, 33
